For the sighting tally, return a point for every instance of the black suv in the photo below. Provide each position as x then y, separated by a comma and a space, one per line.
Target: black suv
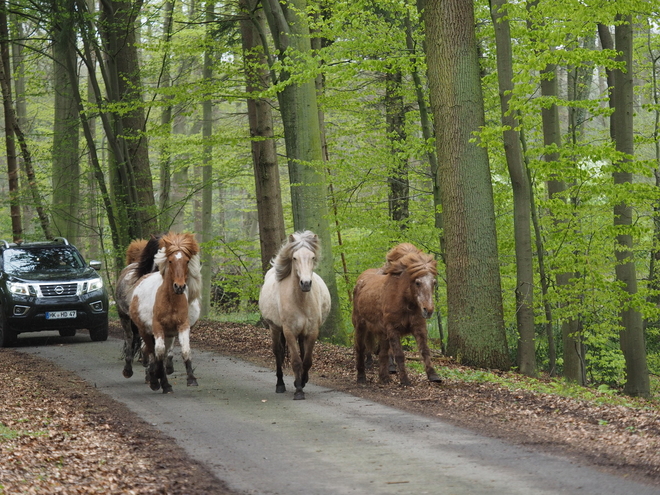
48, 286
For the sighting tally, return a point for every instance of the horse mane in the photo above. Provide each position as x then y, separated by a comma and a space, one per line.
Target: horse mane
283, 260
173, 242
134, 250
406, 257
146, 263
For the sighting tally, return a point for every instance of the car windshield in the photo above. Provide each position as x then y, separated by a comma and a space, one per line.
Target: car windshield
46, 259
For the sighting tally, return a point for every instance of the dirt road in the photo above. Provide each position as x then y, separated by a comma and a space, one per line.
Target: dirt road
260, 442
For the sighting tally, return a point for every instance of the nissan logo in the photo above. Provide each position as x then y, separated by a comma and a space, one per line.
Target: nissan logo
59, 290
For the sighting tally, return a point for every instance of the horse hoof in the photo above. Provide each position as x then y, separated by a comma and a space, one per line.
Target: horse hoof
168, 390
299, 395
405, 383
433, 377
127, 373
280, 389
169, 370
192, 382
154, 386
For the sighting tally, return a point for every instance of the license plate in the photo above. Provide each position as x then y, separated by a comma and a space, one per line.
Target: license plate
59, 315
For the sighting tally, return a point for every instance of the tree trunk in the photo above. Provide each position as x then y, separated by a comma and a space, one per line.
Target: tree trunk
522, 205
476, 333
632, 333
300, 118
398, 175
12, 162
573, 352
133, 173
207, 173
166, 123
264, 151
66, 129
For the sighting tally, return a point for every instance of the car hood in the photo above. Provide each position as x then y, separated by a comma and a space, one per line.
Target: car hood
54, 276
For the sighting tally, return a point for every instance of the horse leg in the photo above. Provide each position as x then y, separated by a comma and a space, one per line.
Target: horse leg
360, 349
168, 360
420, 335
149, 357
399, 358
383, 359
278, 350
306, 352
167, 388
184, 342
128, 348
296, 363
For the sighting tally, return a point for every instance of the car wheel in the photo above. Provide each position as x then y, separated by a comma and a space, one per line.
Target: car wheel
100, 333
7, 336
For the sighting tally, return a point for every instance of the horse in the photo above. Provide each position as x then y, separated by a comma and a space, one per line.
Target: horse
392, 302
139, 261
166, 304
294, 301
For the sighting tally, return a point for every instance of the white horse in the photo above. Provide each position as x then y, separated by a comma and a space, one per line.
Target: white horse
295, 302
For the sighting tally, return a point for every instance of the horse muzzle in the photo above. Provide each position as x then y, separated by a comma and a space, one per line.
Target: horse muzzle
179, 289
427, 313
305, 285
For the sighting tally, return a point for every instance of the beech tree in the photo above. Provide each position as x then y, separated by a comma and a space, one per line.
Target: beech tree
521, 185
264, 150
300, 119
474, 301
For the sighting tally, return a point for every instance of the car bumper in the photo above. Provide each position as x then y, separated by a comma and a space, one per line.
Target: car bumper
30, 314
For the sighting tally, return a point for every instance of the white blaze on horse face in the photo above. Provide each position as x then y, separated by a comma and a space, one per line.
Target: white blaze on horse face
303, 263
425, 291
179, 266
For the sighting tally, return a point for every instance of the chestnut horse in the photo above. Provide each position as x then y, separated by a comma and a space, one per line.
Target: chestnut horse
166, 304
139, 261
391, 302
294, 301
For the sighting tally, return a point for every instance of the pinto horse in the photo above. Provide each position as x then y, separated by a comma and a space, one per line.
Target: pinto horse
139, 261
294, 301
391, 302
166, 304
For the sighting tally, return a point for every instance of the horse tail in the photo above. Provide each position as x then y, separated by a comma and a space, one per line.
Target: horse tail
146, 262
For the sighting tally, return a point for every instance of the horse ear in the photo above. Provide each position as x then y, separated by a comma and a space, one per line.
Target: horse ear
291, 238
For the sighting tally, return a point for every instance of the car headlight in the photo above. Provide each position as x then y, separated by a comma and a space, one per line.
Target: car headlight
19, 288
95, 284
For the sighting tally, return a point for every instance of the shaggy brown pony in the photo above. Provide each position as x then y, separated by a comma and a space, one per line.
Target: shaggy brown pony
391, 302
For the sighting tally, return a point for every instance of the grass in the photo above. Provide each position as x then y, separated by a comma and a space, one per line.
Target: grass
8, 433
554, 386
245, 317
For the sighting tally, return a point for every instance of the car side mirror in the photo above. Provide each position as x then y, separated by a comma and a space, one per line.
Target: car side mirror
95, 264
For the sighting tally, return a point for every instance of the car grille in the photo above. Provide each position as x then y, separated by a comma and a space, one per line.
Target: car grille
54, 290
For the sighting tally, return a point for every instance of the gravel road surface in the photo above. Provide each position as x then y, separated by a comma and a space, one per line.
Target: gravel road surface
261, 442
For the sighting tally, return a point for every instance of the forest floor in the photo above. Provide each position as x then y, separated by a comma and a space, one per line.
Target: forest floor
58, 434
